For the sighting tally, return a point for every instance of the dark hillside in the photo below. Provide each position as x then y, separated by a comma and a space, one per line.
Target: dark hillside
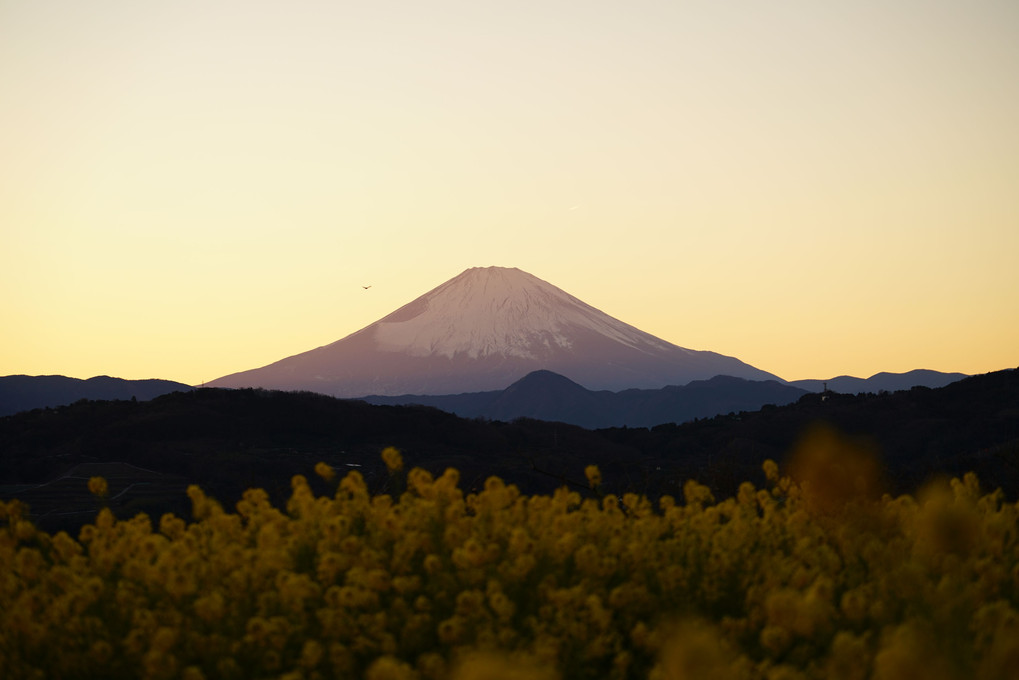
230, 440
969, 425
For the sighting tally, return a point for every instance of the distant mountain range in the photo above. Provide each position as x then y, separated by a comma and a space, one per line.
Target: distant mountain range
548, 396
499, 343
489, 327
542, 395
483, 330
26, 392
880, 382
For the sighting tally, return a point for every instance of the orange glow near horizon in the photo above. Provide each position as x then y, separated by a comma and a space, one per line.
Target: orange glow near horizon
189, 191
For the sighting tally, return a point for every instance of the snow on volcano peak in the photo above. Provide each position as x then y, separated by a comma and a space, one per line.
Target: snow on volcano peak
498, 311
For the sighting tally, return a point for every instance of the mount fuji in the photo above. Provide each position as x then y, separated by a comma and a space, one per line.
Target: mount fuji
483, 330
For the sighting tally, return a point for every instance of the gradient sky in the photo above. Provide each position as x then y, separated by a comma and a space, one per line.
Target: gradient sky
189, 189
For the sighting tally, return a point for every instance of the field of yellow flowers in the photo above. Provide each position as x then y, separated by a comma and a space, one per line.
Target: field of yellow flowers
816, 576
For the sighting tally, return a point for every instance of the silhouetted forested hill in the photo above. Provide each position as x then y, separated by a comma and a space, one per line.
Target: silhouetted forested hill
969, 425
230, 440
25, 392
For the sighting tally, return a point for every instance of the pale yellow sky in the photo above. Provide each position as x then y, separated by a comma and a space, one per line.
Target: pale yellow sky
190, 189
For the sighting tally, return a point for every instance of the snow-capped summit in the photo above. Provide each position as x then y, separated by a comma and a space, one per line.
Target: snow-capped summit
498, 311
483, 330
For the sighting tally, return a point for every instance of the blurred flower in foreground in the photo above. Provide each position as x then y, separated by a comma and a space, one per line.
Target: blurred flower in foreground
909, 652
697, 650
324, 471
97, 487
495, 666
392, 458
834, 470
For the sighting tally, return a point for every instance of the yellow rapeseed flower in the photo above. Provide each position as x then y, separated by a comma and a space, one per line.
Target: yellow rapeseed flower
325, 471
97, 487
392, 458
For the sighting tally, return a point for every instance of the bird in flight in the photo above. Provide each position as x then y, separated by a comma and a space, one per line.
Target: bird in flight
366, 287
